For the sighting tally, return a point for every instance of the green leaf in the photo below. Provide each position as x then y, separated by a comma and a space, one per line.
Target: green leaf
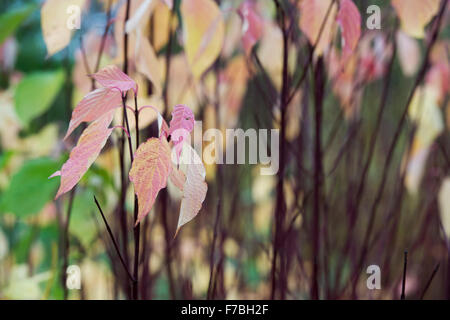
82, 223
30, 189
36, 92
4, 158
12, 19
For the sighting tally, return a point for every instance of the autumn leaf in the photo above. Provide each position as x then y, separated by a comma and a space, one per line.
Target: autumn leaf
112, 77
312, 16
424, 111
55, 16
415, 15
252, 25
162, 17
181, 125
147, 62
195, 187
182, 118
149, 172
93, 106
349, 20
91, 142
204, 32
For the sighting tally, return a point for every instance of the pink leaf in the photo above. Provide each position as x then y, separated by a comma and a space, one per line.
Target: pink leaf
94, 105
181, 125
88, 148
252, 26
112, 77
349, 20
162, 127
149, 172
195, 187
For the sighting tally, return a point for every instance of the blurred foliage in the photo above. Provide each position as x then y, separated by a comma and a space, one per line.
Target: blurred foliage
37, 94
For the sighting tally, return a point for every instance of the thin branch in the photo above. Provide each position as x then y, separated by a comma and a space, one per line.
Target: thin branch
424, 291
405, 262
137, 228
121, 147
130, 145
114, 241
213, 246
280, 208
163, 194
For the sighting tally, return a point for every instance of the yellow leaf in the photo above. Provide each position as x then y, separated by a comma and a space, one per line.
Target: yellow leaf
57, 17
426, 114
161, 20
147, 62
415, 14
204, 32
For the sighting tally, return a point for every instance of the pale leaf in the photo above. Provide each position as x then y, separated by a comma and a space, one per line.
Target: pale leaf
54, 22
408, 53
195, 187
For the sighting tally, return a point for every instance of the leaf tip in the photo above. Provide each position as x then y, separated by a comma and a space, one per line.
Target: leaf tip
57, 173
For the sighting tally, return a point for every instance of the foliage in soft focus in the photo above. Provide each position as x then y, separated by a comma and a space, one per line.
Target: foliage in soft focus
364, 148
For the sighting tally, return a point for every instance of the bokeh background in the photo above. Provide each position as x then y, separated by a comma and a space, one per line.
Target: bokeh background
323, 229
